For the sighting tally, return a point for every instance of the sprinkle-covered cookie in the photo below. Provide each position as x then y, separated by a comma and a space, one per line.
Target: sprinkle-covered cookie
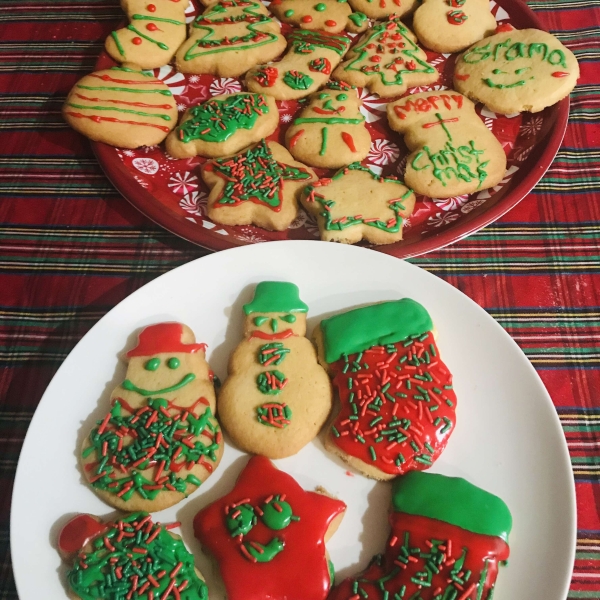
382, 9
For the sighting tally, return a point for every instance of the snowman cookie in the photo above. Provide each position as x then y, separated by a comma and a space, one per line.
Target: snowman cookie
160, 439
330, 130
382, 9
453, 152
310, 58
276, 397
517, 70
130, 555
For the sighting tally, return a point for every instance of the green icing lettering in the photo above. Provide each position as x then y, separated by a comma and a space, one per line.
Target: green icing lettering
476, 55
131, 387
266, 553
276, 296
517, 50
535, 48
559, 58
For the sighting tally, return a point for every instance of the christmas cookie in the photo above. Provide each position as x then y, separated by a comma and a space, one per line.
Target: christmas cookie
229, 38
454, 153
332, 16
515, 71
447, 541
330, 131
387, 60
121, 107
259, 187
453, 25
128, 557
268, 536
160, 440
276, 397
396, 395
223, 125
156, 29
357, 204
382, 9
310, 58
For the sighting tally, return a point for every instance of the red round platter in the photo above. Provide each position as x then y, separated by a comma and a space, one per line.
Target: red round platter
171, 192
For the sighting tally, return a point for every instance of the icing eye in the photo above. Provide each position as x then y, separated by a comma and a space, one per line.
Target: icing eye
277, 513
173, 363
240, 519
323, 96
341, 97
152, 364
258, 321
288, 318
320, 7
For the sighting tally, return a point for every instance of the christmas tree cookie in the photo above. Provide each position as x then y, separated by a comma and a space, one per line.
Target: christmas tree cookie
160, 440
310, 58
453, 152
382, 9
276, 397
229, 38
356, 204
387, 60
447, 541
268, 536
397, 402
156, 29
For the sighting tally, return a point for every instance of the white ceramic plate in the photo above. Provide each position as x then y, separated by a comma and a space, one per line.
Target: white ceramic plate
508, 438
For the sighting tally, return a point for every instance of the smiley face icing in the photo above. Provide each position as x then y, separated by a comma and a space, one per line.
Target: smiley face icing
276, 397
518, 70
382, 9
160, 440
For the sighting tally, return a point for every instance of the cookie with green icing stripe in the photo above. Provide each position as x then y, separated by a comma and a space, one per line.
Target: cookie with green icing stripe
381, 9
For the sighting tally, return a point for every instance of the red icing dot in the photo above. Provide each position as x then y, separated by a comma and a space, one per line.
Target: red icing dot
375, 59
306, 19
560, 74
370, 46
136, 40
151, 27
330, 23
151, 8
397, 36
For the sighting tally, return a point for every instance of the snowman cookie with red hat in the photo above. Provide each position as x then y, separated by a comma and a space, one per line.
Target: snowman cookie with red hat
161, 439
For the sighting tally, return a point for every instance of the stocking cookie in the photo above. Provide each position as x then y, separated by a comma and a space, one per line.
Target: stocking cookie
517, 70
310, 58
229, 38
453, 25
160, 440
330, 131
447, 541
268, 536
396, 395
356, 204
382, 9
276, 397
131, 555
156, 29
387, 60
454, 153
121, 107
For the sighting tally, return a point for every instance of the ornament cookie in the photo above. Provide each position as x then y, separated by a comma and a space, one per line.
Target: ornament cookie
454, 153
223, 125
121, 107
160, 440
447, 541
396, 395
276, 397
259, 186
453, 25
129, 556
387, 60
330, 130
357, 204
517, 70
382, 9
310, 58
156, 30
229, 38
268, 536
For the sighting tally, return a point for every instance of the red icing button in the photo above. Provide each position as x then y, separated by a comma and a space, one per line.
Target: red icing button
136, 40
306, 19
375, 59
77, 532
504, 27
152, 27
330, 23
151, 8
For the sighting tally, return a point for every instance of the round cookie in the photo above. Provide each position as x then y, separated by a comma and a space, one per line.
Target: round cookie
382, 9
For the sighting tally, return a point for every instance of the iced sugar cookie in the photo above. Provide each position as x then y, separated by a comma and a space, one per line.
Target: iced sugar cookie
382, 9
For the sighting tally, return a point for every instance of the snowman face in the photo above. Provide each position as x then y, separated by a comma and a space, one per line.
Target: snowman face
335, 103
276, 325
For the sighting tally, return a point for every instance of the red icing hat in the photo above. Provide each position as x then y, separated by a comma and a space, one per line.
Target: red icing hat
162, 337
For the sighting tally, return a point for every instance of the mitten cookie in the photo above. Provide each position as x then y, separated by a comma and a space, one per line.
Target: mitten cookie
229, 38
448, 538
396, 395
156, 29
126, 557
259, 186
160, 440
268, 536
517, 70
387, 60
357, 204
223, 125
276, 397
382, 9
310, 58
121, 107
454, 153
330, 131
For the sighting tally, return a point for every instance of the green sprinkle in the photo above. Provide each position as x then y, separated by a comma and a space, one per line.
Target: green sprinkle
373, 453
335, 431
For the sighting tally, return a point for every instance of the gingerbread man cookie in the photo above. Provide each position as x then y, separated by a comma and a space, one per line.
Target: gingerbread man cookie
382, 9
454, 153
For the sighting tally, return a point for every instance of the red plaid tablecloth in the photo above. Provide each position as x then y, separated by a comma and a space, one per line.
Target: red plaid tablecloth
71, 248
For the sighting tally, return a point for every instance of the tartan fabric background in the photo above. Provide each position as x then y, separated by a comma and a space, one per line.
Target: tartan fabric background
71, 248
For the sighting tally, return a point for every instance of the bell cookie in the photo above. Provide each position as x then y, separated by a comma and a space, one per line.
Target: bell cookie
382, 9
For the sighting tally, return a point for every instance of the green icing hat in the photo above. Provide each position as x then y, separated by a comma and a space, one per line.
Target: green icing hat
452, 500
275, 296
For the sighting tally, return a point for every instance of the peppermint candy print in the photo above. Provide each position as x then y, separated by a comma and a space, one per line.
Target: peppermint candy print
171, 78
507, 177
225, 85
285, 118
183, 183
373, 107
194, 203
440, 219
383, 152
469, 206
146, 165
447, 204
532, 125
190, 12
